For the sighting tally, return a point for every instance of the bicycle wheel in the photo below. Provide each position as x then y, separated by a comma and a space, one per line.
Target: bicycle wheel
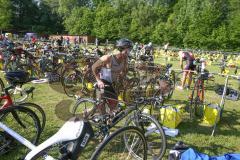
131, 90
38, 111
199, 99
178, 79
165, 88
85, 107
153, 132
72, 82
2, 86
18, 94
125, 143
20, 119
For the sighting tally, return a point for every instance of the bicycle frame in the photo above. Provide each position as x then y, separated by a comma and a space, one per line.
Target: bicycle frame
8, 100
118, 117
223, 97
70, 131
199, 88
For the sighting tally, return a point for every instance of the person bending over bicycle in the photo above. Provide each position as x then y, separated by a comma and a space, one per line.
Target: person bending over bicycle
189, 67
108, 69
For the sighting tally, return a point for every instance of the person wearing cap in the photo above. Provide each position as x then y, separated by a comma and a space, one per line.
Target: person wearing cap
108, 68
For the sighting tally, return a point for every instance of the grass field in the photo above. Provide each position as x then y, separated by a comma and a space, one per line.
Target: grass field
57, 106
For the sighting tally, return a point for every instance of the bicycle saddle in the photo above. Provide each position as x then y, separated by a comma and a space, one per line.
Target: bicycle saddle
17, 77
73, 130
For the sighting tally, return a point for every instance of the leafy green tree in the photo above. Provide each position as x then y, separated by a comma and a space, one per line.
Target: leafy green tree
234, 25
66, 6
106, 22
47, 20
25, 14
80, 21
5, 14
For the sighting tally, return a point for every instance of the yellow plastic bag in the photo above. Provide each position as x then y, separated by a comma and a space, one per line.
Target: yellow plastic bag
120, 96
60, 60
1, 66
149, 91
90, 86
170, 116
211, 114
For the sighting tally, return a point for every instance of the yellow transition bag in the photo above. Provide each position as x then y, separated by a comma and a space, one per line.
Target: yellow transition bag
211, 114
171, 116
1, 65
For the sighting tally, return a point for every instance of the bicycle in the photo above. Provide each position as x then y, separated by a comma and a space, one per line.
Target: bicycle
22, 119
21, 79
76, 80
17, 79
159, 85
69, 141
197, 100
87, 107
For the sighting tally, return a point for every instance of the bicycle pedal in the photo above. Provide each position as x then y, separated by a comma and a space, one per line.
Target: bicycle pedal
30, 90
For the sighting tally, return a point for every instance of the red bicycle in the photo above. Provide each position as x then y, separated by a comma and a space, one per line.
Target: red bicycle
198, 92
20, 78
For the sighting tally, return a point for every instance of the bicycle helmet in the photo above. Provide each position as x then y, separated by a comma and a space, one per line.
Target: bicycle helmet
124, 43
150, 44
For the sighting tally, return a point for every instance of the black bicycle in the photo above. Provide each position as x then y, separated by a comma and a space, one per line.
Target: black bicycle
89, 109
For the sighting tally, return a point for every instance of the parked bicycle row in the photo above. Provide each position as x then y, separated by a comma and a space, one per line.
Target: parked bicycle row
132, 98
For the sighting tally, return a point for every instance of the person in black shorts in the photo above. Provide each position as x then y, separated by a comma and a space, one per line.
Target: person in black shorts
189, 67
107, 70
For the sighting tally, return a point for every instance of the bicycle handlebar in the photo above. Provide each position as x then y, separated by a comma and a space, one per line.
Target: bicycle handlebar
141, 100
226, 75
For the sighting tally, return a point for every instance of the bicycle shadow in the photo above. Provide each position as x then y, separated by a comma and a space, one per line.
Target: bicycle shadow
176, 102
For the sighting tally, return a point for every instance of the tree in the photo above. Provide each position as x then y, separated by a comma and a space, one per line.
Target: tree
22, 9
5, 14
234, 25
47, 20
80, 21
66, 6
106, 22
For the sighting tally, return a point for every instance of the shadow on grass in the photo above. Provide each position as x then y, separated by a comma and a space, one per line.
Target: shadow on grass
175, 101
226, 126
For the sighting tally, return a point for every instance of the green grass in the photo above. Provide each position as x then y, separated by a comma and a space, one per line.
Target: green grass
57, 107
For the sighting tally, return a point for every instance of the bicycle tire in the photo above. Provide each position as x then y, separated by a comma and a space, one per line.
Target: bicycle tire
38, 110
2, 86
149, 121
18, 97
72, 83
22, 127
82, 107
103, 146
199, 99
178, 78
164, 94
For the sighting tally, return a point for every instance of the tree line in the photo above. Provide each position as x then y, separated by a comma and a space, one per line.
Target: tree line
199, 24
